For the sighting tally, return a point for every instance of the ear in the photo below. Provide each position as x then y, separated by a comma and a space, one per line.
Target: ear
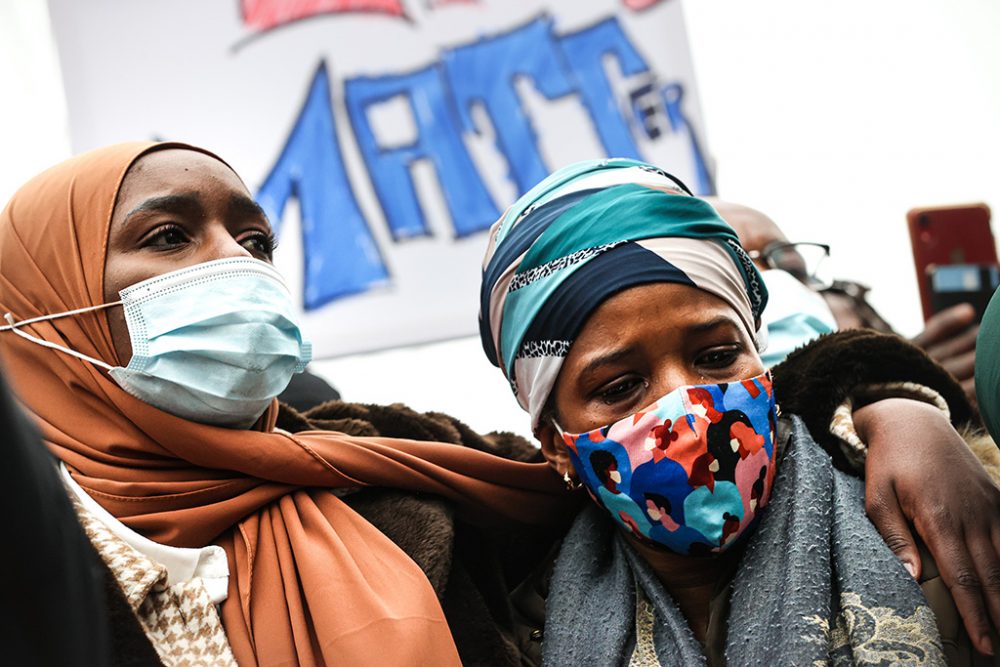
554, 449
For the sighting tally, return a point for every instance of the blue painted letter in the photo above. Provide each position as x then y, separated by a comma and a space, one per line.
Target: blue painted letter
340, 254
438, 139
585, 51
485, 72
673, 96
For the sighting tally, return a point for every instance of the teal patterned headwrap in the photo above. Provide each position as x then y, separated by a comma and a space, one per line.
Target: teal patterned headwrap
586, 232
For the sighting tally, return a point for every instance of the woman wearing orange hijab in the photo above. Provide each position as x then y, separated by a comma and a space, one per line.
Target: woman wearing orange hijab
163, 411
311, 582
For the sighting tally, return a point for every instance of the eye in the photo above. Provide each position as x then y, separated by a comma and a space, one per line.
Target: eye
166, 237
719, 357
260, 243
622, 390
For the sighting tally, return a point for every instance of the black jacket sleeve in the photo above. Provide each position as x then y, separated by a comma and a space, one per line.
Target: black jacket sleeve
52, 607
815, 379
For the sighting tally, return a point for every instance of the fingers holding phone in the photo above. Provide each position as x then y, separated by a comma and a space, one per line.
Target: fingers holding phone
950, 339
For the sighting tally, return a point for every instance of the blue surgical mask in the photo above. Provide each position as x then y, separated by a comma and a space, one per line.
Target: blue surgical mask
213, 343
795, 315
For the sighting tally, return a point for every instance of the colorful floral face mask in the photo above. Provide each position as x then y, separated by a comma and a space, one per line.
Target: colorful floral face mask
690, 472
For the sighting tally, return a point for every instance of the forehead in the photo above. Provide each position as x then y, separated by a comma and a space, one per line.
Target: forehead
174, 170
763, 232
649, 311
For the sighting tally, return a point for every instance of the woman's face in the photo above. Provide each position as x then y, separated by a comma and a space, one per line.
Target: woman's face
177, 208
640, 345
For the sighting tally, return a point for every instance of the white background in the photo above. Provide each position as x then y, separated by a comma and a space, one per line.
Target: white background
834, 118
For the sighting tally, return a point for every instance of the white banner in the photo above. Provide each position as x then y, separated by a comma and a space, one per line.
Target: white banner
384, 137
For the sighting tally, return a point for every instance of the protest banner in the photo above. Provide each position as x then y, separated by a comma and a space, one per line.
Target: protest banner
384, 137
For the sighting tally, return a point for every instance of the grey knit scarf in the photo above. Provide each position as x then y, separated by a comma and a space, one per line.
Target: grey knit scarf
816, 585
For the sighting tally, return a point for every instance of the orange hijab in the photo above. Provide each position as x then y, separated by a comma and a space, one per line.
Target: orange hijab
311, 582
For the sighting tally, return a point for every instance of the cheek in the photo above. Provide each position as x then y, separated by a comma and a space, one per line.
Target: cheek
586, 420
754, 366
120, 271
116, 278
119, 335
580, 416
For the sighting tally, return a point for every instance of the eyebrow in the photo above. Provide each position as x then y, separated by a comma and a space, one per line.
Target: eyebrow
621, 353
608, 358
185, 203
241, 206
713, 323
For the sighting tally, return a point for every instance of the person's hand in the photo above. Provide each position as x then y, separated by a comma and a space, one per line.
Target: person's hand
920, 470
949, 338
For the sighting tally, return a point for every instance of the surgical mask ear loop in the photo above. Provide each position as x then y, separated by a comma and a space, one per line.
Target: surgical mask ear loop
14, 327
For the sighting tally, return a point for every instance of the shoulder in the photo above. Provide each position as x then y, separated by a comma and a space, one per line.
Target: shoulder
829, 368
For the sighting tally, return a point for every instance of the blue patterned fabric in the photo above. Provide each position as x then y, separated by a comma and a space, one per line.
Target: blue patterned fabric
690, 472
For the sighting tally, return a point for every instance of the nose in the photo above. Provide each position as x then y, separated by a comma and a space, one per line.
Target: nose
671, 376
220, 244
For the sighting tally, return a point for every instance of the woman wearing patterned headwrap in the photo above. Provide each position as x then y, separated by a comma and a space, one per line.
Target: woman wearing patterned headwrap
626, 317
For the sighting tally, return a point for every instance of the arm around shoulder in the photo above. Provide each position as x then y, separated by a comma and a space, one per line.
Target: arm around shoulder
818, 378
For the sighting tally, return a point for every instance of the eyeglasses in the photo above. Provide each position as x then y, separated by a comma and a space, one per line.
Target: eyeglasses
806, 261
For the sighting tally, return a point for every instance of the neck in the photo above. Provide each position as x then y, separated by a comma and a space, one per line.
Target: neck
691, 581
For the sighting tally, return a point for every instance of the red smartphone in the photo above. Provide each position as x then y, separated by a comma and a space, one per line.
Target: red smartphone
947, 235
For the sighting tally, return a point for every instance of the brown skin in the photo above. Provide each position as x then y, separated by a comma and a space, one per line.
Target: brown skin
646, 341
949, 337
177, 208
